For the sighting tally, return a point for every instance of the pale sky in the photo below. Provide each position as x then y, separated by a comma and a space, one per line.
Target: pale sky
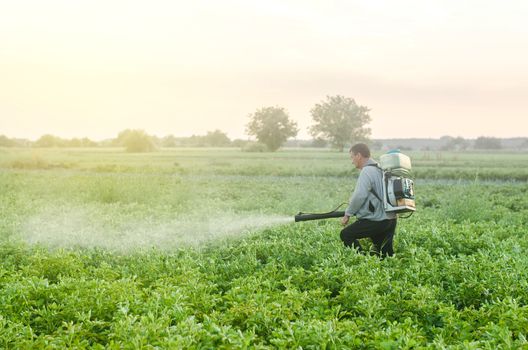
424, 68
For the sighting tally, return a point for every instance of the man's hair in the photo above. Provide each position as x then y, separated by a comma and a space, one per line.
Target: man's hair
360, 148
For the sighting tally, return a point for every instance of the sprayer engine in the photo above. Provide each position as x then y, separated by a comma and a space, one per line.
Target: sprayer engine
400, 194
398, 188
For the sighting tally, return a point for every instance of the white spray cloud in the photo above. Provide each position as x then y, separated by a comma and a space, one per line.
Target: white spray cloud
109, 228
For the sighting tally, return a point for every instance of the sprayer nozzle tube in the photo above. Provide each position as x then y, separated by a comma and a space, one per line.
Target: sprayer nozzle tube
308, 217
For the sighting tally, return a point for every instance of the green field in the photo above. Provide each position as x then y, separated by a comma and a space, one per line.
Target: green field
196, 248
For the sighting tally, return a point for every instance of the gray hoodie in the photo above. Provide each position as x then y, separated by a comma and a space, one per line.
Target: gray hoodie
363, 203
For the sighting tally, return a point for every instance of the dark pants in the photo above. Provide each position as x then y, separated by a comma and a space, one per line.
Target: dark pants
380, 232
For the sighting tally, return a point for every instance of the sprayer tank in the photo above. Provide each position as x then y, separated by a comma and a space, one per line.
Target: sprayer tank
396, 162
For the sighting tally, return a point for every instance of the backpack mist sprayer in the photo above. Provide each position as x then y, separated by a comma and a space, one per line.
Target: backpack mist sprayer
398, 188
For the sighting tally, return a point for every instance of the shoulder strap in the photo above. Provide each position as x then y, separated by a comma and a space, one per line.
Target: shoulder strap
372, 190
376, 165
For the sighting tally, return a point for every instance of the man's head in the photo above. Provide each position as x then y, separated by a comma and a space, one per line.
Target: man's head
359, 153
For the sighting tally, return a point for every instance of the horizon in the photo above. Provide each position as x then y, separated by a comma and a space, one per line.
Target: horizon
425, 70
252, 138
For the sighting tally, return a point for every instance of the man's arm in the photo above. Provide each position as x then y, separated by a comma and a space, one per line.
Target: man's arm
360, 195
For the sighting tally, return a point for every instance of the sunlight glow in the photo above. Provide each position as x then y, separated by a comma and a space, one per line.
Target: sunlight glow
426, 69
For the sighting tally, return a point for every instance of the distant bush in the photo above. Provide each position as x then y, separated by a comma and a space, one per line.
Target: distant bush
48, 141
240, 143
254, 147
217, 138
6, 142
135, 141
487, 143
453, 143
169, 141
319, 143
75, 142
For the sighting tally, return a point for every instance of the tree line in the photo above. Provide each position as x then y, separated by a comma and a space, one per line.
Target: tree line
218, 138
337, 122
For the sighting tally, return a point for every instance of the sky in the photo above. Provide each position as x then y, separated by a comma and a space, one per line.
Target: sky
424, 68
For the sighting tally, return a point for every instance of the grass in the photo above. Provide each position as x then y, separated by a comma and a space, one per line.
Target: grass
190, 248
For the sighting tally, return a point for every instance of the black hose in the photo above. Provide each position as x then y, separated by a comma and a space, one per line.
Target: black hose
308, 216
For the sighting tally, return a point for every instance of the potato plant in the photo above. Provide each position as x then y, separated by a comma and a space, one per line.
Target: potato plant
158, 257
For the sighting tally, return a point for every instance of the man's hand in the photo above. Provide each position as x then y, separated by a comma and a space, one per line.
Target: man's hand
344, 220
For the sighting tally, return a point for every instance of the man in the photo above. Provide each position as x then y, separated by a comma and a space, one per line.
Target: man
366, 204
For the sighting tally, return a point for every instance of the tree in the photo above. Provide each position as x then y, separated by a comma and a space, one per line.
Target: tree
340, 120
135, 141
484, 142
271, 126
